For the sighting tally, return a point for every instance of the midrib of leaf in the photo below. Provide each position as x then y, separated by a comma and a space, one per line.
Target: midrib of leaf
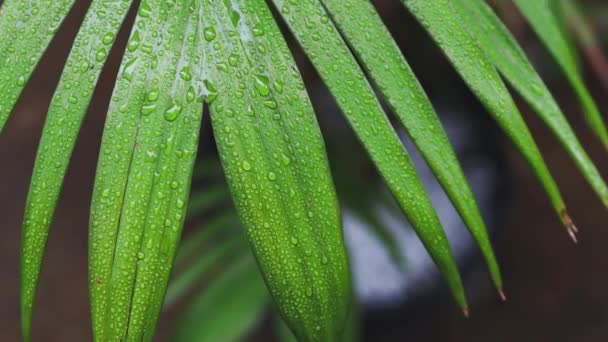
542, 19
69, 104
511, 61
364, 30
441, 20
274, 159
26, 29
144, 171
338, 68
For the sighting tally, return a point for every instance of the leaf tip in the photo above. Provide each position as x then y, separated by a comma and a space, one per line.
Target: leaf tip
570, 227
501, 294
465, 312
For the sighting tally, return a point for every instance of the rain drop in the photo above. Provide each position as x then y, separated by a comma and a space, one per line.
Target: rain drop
108, 38
21, 81
134, 42
173, 112
272, 176
246, 166
261, 85
185, 74
101, 55
209, 33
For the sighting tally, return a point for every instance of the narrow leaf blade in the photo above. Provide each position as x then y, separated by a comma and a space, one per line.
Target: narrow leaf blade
585, 35
26, 28
320, 39
69, 104
208, 199
144, 170
444, 24
508, 57
282, 331
275, 164
542, 19
358, 21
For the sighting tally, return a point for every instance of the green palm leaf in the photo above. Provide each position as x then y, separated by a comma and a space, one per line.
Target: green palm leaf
273, 156
442, 21
282, 331
145, 165
207, 199
338, 68
510, 60
38, 20
542, 19
63, 122
363, 29
573, 17
231, 55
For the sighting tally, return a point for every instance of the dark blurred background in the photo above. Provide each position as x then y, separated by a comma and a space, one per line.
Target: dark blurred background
556, 290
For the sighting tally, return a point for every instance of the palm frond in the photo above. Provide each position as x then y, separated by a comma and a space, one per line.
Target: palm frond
231, 56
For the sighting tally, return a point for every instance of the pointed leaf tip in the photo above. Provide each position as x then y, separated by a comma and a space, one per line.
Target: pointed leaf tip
501, 294
570, 227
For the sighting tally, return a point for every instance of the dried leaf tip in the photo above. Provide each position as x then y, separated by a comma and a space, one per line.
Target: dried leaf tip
570, 227
501, 294
465, 312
